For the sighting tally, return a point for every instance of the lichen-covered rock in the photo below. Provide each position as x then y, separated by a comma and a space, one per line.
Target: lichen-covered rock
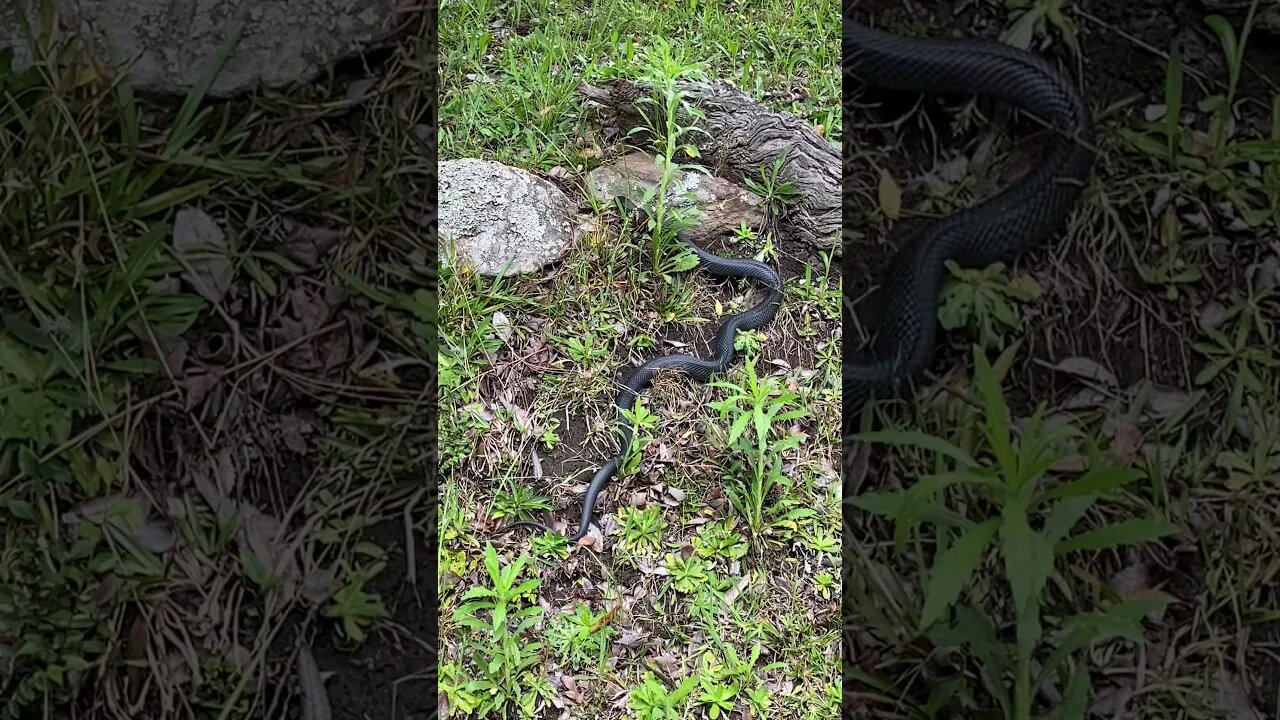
722, 206
165, 46
502, 220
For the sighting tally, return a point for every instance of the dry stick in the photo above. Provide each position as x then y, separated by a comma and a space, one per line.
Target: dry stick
411, 548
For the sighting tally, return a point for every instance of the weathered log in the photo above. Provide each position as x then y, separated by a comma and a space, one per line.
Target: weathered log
739, 137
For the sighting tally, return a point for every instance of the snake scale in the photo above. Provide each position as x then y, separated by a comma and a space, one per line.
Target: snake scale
1019, 218
697, 368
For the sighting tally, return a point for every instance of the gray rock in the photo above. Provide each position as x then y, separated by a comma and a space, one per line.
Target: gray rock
722, 206
165, 46
493, 214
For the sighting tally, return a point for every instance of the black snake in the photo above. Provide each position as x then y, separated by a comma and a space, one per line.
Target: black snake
697, 368
1021, 217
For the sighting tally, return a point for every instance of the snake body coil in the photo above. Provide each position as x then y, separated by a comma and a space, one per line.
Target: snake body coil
699, 369
1022, 216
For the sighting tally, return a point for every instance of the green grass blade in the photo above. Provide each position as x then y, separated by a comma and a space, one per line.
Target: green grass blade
184, 126
1230, 45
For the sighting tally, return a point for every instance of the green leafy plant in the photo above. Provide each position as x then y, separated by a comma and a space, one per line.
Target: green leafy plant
760, 700
642, 529
502, 658
643, 424
822, 542
1172, 271
1011, 476
824, 583
777, 191
455, 687
664, 68
1034, 18
549, 545
720, 539
581, 638
760, 405
586, 349
1246, 172
725, 676
1259, 463
1235, 353
718, 698
519, 504
984, 300
687, 574
47, 613
354, 607
651, 700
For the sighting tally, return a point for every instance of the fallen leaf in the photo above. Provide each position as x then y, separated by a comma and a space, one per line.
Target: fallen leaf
953, 171
358, 90
136, 639
890, 196
732, 593
293, 430
315, 698
1212, 315
632, 638
1085, 398
216, 477
199, 241
1267, 273
261, 534
1126, 441
1130, 581
314, 309
1165, 455
1232, 698
306, 244
1112, 702
667, 665
1166, 402
1087, 369
156, 536
317, 585
502, 326
197, 387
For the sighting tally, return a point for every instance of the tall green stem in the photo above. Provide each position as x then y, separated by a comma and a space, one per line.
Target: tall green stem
670, 138
1022, 688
